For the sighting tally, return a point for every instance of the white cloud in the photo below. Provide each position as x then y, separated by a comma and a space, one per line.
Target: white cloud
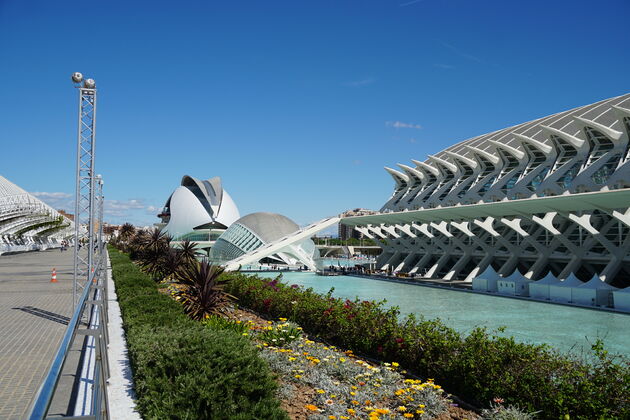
361, 82
400, 124
56, 200
121, 208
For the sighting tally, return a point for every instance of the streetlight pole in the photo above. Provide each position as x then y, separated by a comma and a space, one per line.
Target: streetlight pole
84, 206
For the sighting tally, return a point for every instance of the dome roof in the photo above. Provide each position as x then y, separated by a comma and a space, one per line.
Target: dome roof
268, 227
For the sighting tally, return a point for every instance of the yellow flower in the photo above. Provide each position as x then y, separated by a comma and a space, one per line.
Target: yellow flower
353, 393
269, 322
291, 359
282, 319
341, 359
394, 364
420, 411
297, 376
382, 410
422, 406
332, 418
401, 408
354, 402
311, 407
408, 415
351, 411
344, 417
245, 334
321, 391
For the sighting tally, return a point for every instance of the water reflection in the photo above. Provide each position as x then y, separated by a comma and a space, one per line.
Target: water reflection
563, 327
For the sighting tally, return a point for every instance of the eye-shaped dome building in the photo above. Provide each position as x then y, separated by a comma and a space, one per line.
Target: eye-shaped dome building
198, 210
256, 230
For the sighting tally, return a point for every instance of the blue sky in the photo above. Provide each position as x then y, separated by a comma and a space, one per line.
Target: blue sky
296, 105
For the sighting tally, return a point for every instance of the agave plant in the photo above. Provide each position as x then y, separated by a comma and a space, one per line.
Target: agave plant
170, 263
136, 244
154, 255
188, 252
202, 293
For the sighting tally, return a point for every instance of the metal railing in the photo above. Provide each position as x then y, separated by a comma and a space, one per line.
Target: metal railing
92, 305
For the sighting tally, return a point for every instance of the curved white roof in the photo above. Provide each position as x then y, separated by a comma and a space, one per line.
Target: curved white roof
580, 150
22, 213
199, 204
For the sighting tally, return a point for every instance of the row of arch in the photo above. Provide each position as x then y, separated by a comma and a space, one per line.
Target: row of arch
585, 244
530, 160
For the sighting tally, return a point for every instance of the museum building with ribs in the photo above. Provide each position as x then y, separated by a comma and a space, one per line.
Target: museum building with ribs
549, 195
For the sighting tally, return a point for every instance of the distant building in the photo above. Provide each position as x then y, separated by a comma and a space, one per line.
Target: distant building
347, 232
66, 214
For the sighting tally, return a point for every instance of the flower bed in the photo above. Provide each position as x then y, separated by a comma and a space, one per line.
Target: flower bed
478, 367
345, 387
183, 369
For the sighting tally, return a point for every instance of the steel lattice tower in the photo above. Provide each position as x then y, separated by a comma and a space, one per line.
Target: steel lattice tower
85, 212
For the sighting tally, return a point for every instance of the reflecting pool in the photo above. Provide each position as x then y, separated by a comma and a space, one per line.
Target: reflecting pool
564, 327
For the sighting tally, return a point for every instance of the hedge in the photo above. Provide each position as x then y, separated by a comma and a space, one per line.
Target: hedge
183, 369
478, 367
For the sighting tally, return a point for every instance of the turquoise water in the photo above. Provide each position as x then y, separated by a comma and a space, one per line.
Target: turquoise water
562, 327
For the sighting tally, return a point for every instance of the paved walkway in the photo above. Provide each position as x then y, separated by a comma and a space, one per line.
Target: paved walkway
33, 316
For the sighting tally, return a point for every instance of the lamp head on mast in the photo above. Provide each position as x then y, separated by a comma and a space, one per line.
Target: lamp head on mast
79, 81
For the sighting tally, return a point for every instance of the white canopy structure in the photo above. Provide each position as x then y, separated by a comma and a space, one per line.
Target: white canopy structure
27, 223
486, 281
561, 292
540, 289
621, 298
593, 292
514, 285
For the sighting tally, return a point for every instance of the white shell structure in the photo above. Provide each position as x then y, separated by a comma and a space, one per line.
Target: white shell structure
256, 230
27, 223
77, 77
198, 204
549, 195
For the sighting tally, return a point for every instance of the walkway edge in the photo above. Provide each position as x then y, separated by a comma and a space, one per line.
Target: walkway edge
120, 391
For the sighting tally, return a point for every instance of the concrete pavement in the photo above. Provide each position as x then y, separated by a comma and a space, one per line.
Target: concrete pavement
33, 316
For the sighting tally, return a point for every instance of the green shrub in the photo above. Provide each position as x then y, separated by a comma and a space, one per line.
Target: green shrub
183, 369
199, 373
477, 367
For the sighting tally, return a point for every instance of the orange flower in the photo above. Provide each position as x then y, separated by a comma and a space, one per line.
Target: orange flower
311, 407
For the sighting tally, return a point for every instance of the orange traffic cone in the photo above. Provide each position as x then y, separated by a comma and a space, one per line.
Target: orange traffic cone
54, 276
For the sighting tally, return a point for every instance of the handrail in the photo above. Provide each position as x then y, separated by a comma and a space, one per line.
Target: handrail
45, 394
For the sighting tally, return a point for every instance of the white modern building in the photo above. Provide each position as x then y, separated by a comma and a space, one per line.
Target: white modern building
547, 196
198, 210
257, 231
27, 223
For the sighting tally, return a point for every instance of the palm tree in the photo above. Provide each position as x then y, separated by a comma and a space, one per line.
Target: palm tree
126, 231
202, 293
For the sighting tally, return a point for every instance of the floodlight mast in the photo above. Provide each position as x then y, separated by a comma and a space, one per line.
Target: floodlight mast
85, 213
